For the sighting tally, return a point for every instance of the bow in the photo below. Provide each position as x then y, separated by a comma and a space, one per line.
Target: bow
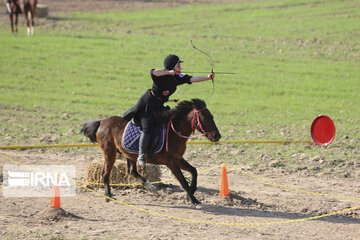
212, 67
211, 62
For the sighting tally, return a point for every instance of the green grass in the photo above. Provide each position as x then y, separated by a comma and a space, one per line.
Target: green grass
295, 60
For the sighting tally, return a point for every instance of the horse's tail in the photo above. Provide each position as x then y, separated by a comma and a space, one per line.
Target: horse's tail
89, 129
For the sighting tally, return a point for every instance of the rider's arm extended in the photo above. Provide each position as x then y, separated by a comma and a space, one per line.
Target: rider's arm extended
202, 78
159, 72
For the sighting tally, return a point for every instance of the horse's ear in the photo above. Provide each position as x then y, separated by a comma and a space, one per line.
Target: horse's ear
194, 102
198, 103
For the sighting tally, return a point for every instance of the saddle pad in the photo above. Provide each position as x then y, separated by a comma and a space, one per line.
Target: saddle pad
131, 136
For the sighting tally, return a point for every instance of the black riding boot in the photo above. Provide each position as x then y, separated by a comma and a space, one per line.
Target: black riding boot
144, 144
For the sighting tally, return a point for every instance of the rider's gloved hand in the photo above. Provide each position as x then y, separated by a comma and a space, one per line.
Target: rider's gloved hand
211, 76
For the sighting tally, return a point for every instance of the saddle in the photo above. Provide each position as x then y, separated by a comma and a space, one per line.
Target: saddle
131, 136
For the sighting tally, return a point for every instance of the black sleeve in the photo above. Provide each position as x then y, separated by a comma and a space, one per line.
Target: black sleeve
183, 78
154, 78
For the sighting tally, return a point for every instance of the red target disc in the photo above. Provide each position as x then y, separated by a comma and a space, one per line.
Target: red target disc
322, 130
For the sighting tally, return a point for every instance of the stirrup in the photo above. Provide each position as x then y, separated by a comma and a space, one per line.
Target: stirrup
141, 160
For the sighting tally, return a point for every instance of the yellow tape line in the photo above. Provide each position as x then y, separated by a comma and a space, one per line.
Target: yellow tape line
251, 141
48, 146
201, 221
194, 142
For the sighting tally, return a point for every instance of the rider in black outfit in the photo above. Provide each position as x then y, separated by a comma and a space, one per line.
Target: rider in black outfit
164, 85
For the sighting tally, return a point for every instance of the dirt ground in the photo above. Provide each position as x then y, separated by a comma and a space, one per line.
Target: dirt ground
254, 210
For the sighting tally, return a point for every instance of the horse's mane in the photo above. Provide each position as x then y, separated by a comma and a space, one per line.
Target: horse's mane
182, 109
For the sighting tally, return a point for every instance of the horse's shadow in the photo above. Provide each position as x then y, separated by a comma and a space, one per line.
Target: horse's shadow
61, 19
246, 211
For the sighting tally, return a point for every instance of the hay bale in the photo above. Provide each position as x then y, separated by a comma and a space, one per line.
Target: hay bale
119, 174
42, 11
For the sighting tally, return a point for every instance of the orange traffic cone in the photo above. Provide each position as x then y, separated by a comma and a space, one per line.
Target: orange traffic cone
224, 188
55, 197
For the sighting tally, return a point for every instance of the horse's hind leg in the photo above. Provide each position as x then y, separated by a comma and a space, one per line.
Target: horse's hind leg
26, 14
109, 152
173, 166
12, 21
133, 172
184, 165
32, 23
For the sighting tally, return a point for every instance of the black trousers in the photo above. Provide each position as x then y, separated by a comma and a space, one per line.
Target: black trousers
147, 122
143, 115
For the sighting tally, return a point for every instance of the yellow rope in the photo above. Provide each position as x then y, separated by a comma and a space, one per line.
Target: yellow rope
48, 146
251, 141
190, 142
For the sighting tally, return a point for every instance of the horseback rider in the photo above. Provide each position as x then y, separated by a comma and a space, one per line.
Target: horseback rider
164, 85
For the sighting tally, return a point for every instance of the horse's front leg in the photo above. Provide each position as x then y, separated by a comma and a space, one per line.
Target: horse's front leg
16, 22
184, 165
133, 172
175, 169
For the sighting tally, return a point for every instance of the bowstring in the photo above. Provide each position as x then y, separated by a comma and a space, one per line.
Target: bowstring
212, 68
181, 56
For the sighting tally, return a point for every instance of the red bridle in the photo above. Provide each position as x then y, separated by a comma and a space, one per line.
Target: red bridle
196, 115
195, 122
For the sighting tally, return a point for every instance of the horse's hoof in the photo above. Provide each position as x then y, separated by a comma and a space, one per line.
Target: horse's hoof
110, 198
150, 187
199, 205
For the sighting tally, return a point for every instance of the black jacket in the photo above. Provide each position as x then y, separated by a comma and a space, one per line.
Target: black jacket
153, 99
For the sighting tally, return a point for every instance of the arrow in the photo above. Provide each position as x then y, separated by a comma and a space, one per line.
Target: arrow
214, 72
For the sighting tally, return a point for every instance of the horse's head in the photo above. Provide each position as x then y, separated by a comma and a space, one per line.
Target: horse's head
190, 116
203, 120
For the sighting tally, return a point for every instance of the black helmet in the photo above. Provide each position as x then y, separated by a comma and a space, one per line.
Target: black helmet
171, 61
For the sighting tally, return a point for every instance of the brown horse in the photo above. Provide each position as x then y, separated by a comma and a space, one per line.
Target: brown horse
183, 120
27, 7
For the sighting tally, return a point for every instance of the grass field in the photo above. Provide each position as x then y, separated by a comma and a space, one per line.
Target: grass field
294, 60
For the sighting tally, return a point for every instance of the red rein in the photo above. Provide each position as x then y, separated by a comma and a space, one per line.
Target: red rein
193, 127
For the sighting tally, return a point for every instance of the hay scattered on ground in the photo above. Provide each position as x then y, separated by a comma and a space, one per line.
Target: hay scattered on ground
119, 174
